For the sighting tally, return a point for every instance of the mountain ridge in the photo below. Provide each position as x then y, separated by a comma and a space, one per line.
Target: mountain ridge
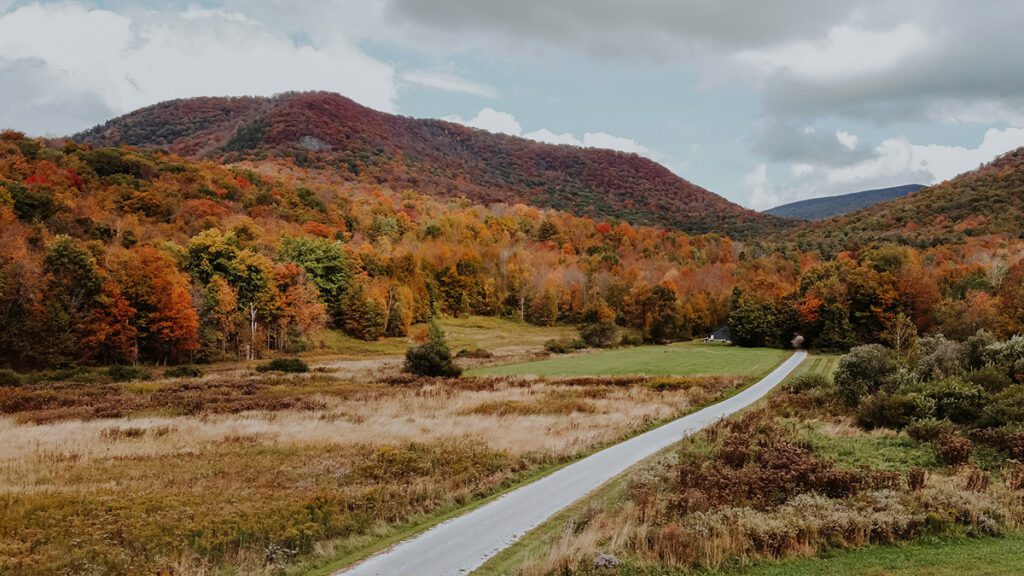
321, 130
824, 207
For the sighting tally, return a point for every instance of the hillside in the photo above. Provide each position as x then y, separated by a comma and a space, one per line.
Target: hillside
329, 131
988, 201
829, 206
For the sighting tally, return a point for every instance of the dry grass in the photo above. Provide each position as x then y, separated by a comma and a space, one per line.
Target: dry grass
255, 473
770, 486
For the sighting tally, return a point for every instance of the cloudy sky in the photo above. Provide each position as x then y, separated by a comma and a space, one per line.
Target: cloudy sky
761, 102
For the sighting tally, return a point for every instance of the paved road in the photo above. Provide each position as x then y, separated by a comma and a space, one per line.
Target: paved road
462, 544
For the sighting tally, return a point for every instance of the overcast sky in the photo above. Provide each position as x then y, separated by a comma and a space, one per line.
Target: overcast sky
761, 102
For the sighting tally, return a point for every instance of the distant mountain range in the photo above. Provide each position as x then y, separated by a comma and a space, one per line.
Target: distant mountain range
986, 202
326, 131
829, 206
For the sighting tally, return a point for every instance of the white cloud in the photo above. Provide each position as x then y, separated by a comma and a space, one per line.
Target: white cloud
843, 53
491, 120
448, 81
605, 140
545, 135
847, 139
760, 197
898, 161
504, 123
126, 61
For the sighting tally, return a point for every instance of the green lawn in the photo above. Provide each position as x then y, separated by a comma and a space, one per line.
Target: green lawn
981, 557
824, 364
684, 359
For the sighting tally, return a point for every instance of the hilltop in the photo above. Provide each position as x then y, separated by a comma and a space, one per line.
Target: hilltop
988, 201
325, 131
829, 206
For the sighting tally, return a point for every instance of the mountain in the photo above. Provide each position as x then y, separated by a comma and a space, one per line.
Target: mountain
325, 131
986, 202
829, 206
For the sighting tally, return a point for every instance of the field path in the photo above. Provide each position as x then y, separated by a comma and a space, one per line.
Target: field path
462, 544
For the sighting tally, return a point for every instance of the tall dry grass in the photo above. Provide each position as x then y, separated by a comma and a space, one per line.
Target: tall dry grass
327, 467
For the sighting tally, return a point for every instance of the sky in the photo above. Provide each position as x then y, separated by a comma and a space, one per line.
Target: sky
761, 102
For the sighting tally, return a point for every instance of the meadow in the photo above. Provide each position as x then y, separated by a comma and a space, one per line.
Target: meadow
790, 487
240, 472
683, 359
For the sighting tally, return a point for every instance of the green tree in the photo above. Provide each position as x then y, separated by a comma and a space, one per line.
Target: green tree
434, 357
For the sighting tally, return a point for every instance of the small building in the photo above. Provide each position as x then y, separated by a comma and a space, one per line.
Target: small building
721, 334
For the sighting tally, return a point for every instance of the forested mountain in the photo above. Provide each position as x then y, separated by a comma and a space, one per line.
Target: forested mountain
114, 255
829, 206
329, 131
988, 201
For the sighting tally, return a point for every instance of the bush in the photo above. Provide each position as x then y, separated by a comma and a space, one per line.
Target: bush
119, 373
432, 358
1005, 408
808, 382
602, 334
929, 429
183, 372
862, 372
941, 358
952, 450
895, 411
474, 353
564, 345
284, 365
956, 400
990, 378
9, 378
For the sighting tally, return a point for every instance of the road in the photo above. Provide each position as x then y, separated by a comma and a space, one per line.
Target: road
462, 544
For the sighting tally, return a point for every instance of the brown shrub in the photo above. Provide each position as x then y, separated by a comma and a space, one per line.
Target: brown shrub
1013, 475
917, 478
976, 480
952, 450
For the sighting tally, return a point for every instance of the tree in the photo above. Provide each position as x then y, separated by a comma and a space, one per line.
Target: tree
752, 323
326, 264
302, 312
863, 372
901, 335
432, 358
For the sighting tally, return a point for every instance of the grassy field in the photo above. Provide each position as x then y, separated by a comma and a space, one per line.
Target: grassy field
472, 332
246, 473
977, 557
733, 501
686, 359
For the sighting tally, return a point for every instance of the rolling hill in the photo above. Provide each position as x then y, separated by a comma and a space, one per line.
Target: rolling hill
829, 206
325, 131
988, 201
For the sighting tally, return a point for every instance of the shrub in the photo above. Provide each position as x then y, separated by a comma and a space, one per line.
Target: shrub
183, 372
9, 378
957, 400
941, 358
474, 353
952, 450
929, 429
895, 411
1005, 408
284, 365
808, 382
862, 372
119, 373
564, 345
991, 378
601, 334
917, 478
432, 358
